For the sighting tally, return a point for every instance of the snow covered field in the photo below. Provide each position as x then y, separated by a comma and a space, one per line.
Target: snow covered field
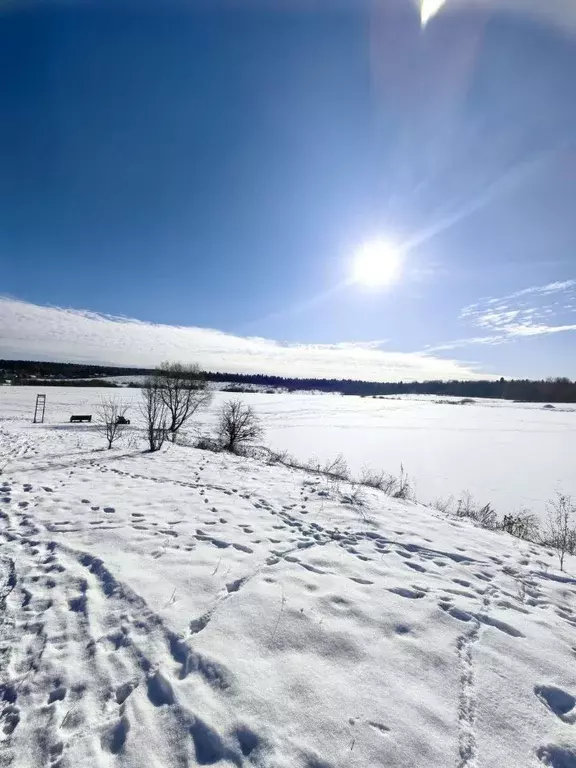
191, 609
511, 455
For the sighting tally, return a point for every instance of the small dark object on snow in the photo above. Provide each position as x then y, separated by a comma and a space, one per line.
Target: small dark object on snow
122, 420
78, 417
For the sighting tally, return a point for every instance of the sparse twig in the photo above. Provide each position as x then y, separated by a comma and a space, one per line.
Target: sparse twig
67, 715
172, 599
279, 615
521, 590
562, 527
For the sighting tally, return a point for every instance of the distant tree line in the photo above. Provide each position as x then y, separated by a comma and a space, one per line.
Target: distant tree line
39, 369
24, 382
553, 390
558, 390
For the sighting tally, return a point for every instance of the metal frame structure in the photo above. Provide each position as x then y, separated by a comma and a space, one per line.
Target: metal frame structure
40, 409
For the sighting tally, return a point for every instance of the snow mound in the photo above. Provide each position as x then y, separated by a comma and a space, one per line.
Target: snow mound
187, 609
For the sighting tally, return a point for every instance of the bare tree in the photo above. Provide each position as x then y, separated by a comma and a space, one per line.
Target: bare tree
154, 412
111, 419
183, 391
238, 426
562, 527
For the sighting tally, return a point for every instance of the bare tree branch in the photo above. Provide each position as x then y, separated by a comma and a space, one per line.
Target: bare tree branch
562, 527
183, 391
111, 419
154, 412
238, 425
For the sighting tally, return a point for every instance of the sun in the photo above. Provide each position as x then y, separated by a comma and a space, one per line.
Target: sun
376, 263
429, 9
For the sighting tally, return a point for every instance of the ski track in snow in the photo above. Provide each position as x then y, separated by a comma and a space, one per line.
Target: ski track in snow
92, 675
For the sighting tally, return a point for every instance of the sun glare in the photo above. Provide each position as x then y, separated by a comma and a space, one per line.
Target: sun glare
429, 9
376, 263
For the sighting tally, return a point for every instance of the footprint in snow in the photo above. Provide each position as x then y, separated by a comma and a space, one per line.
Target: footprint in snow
557, 755
159, 689
243, 548
114, 739
55, 751
560, 702
58, 694
409, 593
378, 726
359, 580
219, 543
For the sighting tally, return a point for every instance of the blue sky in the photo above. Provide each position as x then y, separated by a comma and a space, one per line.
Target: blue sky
211, 172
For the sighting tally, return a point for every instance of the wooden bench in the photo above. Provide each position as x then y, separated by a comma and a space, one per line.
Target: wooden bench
78, 417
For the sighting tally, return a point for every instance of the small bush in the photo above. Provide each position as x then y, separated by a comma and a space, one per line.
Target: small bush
373, 478
444, 505
110, 419
279, 457
523, 525
561, 534
403, 489
354, 497
337, 468
207, 443
485, 516
398, 487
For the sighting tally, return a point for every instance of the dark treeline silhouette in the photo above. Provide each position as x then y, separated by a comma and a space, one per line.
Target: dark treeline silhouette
23, 382
29, 368
558, 390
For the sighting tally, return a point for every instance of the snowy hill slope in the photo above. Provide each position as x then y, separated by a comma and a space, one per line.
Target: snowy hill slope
186, 609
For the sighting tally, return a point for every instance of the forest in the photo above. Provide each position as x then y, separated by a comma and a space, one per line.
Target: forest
552, 390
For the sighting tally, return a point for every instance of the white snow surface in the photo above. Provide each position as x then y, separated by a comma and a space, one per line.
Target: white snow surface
188, 609
511, 455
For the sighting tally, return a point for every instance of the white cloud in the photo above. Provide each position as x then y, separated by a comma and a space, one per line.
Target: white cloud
30, 331
512, 317
459, 343
556, 287
538, 330
524, 313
